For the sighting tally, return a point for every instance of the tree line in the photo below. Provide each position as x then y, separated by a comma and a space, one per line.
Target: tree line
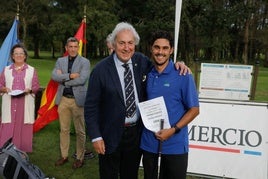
210, 30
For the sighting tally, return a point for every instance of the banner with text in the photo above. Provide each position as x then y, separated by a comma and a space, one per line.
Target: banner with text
229, 139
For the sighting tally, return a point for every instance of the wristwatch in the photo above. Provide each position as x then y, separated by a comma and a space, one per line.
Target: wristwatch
177, 129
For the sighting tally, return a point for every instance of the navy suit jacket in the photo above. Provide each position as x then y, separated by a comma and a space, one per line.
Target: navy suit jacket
104, 106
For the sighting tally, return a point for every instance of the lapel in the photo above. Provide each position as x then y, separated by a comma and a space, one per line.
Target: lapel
76, 64
65, 64
137, 73
112, 72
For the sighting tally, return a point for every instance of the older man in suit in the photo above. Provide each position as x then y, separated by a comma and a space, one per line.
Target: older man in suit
114, 133
71, 72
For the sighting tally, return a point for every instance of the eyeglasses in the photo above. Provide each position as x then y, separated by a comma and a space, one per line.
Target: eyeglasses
18, 54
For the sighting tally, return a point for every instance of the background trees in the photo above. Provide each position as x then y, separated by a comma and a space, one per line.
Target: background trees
210, 30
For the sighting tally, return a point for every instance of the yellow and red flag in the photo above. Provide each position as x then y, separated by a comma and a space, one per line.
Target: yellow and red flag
48, 110
80, 34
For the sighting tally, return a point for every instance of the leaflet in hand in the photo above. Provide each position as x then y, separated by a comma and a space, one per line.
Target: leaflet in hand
16, 92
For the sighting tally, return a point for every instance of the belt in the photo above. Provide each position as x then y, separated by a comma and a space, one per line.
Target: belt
130, 124
68, 96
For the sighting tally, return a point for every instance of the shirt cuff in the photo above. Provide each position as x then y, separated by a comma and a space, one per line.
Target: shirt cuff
97, 139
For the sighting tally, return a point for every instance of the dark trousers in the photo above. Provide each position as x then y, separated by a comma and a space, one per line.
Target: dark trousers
171, 167
124, 162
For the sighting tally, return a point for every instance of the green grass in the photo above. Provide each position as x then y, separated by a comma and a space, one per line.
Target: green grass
46, 142
46, 151
44, 67
262, 85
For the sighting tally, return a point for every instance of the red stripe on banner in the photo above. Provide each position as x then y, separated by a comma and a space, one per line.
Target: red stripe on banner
207, 88
214, 148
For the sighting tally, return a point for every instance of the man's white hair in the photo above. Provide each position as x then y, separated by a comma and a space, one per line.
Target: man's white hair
124, 26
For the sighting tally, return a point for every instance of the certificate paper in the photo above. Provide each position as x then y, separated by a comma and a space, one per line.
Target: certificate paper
152, 111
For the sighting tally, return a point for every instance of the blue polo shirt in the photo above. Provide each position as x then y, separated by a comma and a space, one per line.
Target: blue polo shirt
180, 94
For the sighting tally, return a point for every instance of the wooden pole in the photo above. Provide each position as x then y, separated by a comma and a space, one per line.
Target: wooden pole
196, 71
254, 83
18, 18
85, 31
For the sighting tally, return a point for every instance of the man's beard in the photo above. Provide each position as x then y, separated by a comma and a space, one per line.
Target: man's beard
160, 63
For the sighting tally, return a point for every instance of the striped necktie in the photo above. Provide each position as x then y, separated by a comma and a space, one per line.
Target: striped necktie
129, 92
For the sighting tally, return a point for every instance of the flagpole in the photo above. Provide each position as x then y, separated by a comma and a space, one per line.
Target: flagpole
18, 12
177, 26
85, 31
18, 18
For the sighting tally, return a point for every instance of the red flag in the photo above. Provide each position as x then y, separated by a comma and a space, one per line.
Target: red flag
80, 37
48, 111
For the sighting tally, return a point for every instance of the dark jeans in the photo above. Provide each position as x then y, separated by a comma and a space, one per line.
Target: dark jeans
171, 167
124, 162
